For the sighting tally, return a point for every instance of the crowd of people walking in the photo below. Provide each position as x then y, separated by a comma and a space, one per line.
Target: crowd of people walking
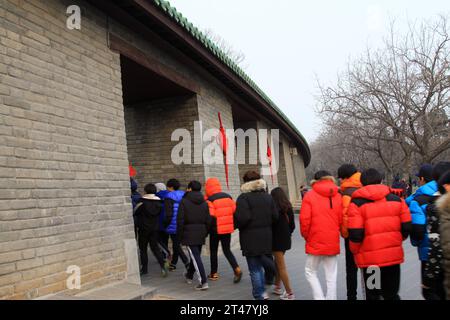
373, 221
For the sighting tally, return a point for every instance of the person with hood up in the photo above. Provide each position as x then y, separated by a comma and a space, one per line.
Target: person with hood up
147, 213
443, 206
378, 223
222, 209
171, 204
255, 213
320, 223
350, 182
193, 223
417, 204
163, 237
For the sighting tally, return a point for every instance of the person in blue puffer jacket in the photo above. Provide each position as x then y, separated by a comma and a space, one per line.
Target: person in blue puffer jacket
417, 204
163, 236
171, 205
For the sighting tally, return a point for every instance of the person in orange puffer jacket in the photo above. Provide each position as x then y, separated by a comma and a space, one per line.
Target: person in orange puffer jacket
378, 223
320, 224
350, 182
222, 208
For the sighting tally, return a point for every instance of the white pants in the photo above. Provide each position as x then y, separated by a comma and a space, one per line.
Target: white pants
330, 266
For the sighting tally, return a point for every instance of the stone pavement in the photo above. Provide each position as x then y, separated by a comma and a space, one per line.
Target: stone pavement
174, 287
114, 291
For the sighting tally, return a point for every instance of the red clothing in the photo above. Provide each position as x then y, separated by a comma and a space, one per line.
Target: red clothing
221, 206
348, 186
321, 218
378, 222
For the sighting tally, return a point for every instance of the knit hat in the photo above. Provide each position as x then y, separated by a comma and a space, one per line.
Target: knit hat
160, 187
425, 172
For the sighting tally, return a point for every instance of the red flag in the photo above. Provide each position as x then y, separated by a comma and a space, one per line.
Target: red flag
133, 172
270, 158
224, 146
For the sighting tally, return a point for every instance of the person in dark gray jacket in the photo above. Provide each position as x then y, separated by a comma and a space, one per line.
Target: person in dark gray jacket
255, 214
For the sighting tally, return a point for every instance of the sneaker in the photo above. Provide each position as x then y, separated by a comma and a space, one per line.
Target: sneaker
237, 275
172, 267
277, 290
188, 281
165, 270
287, 296
166, 265
266, 296
202, 287
213, 276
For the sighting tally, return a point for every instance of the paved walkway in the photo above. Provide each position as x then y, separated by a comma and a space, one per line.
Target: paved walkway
224, 289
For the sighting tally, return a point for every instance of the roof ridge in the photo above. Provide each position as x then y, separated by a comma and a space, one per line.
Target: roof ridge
178, 17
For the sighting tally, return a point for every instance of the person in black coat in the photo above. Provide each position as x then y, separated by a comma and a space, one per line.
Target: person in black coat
147, 213
193, 225
255, 214
282, 231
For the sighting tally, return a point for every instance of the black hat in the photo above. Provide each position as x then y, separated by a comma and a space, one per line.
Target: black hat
426, 171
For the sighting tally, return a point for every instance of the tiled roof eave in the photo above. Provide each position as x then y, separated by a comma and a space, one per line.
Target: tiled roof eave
183, 22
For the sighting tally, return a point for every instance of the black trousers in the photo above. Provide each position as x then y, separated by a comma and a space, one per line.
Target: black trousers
351, 272
389, 283
433, 289
196, 264
163, 242
146, 238
270, 270
177, 251
225, 240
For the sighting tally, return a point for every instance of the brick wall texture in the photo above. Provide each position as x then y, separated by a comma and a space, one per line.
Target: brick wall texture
282, 175
251, 160
149, 130
64, 191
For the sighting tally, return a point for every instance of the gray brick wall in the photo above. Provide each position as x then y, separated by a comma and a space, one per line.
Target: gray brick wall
272, 181
210, 100
249, 158
149, 130
64, 196
299, 171
210, 104
282, 175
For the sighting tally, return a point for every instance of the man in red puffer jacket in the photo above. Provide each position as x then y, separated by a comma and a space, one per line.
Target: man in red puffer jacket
320, 222
222, 208
378, 223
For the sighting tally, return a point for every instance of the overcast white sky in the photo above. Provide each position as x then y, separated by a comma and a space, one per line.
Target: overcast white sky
287, 43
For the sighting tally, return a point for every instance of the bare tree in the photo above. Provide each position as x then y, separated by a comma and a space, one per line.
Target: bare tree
395, 102
238, 57
334, 147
